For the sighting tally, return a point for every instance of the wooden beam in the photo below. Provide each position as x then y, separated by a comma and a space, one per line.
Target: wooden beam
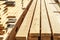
35, 27
45, 27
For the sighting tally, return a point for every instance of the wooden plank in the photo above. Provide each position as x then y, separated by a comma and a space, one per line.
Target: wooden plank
35, 27
45, 27
6, 9
54, 18
22, 34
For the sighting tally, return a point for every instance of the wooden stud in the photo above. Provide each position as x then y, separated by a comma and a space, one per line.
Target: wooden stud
35, 27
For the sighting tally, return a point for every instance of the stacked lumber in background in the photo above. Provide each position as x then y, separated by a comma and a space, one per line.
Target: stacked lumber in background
30, 27
12, 19
3, 10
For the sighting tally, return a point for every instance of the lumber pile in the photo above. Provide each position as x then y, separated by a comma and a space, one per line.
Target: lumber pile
4, 19
23, 35
41, 22
3, 10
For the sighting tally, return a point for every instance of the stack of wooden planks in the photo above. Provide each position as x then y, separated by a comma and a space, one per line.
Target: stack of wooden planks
24, 32
41, 22
3, 10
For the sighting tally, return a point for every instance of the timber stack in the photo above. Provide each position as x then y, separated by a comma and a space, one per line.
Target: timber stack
40, 20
